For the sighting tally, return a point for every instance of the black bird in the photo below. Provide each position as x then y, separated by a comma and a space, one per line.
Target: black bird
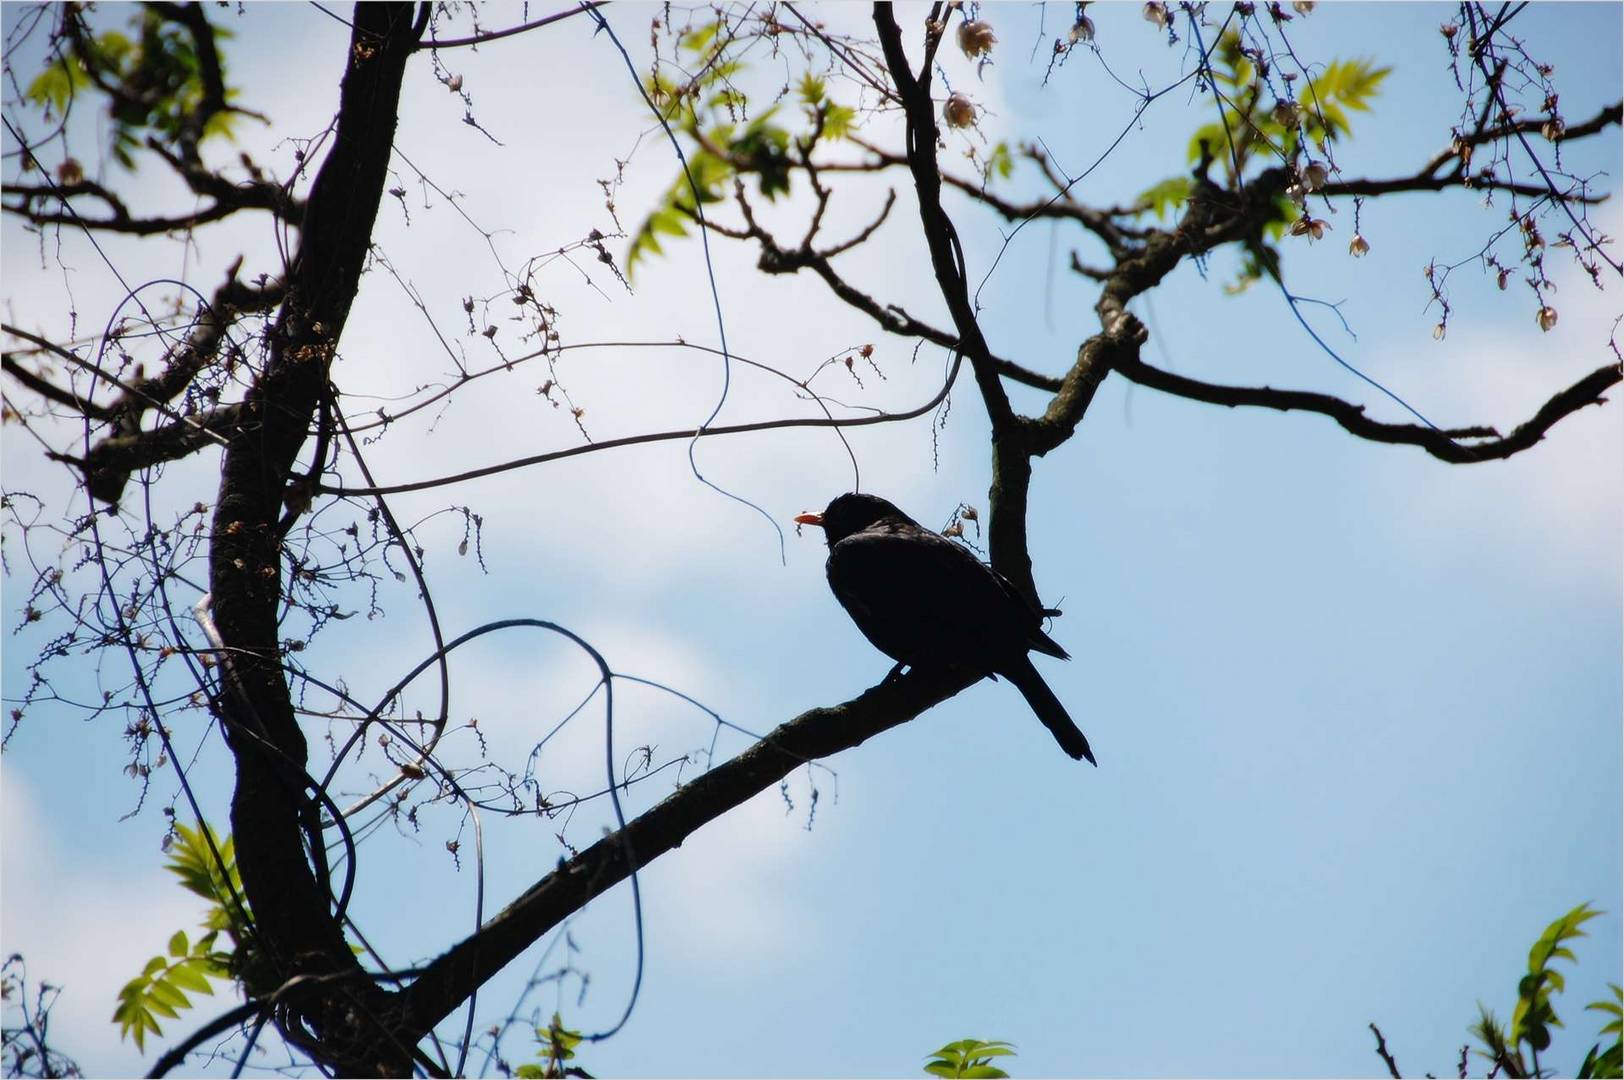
928, 602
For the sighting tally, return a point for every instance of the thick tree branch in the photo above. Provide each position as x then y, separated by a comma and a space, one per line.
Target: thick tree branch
893, 318
1011, 446
270, 813
124, 223
1444, 445
946, 255
448, 980
1430, 178
49, 390
111, 460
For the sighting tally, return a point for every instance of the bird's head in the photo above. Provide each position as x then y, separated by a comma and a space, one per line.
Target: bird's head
851, 513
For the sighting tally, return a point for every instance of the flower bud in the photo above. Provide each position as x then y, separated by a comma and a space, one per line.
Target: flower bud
959, 112
976, 38
1285, 113
1546, 317
1156, 12
1358, 247
1313, 228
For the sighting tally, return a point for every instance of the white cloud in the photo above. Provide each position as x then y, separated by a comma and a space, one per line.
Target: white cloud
1565, 495
85, 925
731, 900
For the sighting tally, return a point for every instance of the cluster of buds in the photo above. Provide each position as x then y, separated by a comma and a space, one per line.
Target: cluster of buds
1310, 178
1313, 228
1278, 13
1461, 149
976, 38
1532, 240
1083, 29
958, 111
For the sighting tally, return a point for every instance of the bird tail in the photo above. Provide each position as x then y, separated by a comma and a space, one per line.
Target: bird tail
1048, 707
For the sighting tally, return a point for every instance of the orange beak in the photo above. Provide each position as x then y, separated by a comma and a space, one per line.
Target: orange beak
809, 519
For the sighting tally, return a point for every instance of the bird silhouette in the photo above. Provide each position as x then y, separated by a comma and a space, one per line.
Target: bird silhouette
928, 602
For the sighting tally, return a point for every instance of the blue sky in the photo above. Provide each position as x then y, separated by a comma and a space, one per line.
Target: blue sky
1357, 711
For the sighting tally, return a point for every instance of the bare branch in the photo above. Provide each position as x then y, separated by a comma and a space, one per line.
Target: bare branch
658, 436
49, 390
817, 733
946, 255
110, 462
497, 35
1063, 208
1387, 1059
1428, 178
1443, 445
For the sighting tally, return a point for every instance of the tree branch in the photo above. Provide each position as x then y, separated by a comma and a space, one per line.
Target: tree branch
1387, 1058
1443, 445
108, 466
817, 733
50, 391
653, 437
497, 35
271, 815
946, 255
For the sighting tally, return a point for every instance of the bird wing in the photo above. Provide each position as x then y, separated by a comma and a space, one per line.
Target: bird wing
1035, 636
921, 598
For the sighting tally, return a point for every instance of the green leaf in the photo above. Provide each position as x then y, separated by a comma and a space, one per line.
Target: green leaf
811, 90
1000, 161
189, 976
1165, 197
156, 1004
838, 121
178, 945
1215, 138
700, 39
529, 1072
133, 1020
969, 1058
669, 221
56, 85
